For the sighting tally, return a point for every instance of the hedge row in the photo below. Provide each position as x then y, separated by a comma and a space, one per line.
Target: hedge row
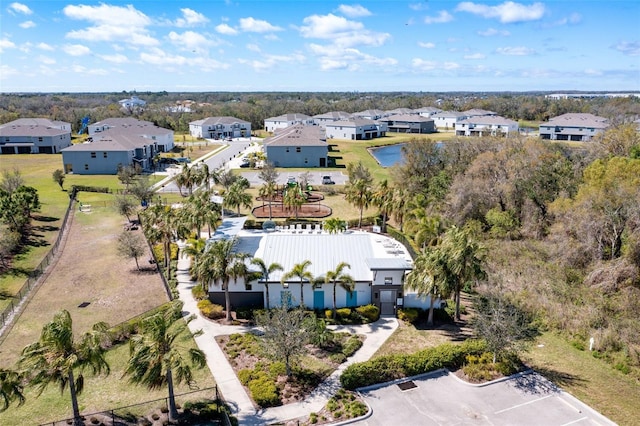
392, 367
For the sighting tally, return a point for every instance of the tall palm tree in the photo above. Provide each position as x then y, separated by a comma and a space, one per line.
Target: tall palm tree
164, 224
382, 198
338, 276
424, 228
266, 271
156, 360
358, 192
299, 271
219, 264
200, 211
11, 388
185, 179
236, 196
194, 248
267, 192
56, 357
465, 259
293, 197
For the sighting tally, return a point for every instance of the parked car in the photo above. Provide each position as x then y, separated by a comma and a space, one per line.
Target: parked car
245, 163
326, 180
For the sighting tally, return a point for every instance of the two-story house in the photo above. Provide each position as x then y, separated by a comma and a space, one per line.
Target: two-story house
34, 136
133, 127
220, 128
272, 124
413, 123
485, 125
573, 127
297, 146
355, 129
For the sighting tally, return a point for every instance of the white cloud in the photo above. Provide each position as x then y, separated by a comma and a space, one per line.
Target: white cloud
189, 40
6, 72
418, 6
27, 24
474, 56
6, 44
112, 23
76, 50
158, 56
489, 32
354, 11
426, 45
515, 51
267, 62
342, 32
630, 48
19, 8
252, 25
507, 12
191, 18
593, 72
117, 58
45, 46
226, 29
253, 47
424, 64
350, 59
442, 18
79, 69
46, 60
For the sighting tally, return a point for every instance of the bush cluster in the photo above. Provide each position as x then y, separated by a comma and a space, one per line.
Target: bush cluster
370, 312
360, 315
211, 310
393, 367
261, 385
409, 315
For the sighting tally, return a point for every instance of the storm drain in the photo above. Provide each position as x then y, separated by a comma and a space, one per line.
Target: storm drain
407, 385
84, 304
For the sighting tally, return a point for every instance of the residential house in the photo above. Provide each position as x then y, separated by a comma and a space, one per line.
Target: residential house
573, 127
131, 103
370, 114
485, 125
427, 111
297, 146
132, 127
446, 120
272, 124
329, 117
378, 266
34, 136
409, 124
355, 129
220, 128
476, 112
108, 152
400, 111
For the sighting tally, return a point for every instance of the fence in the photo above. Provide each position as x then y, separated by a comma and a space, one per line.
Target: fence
9, 312
202, 404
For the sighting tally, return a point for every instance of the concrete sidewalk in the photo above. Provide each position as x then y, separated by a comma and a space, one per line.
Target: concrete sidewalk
227, 381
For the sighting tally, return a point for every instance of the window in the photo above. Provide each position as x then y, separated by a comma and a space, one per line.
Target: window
297, 149
388, 280
104, 154
93, 155
39, 139
86, 167
306, 161
287, 150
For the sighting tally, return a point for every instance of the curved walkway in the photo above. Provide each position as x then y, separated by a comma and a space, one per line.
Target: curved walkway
227, 381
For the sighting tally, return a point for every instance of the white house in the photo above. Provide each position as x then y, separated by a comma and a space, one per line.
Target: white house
280, 122
354, 129
34, 136
370, 114
427, 111
573, 127
132, 127
482, 125
446, 120
378, 266
329, 117
220, 128
132, 103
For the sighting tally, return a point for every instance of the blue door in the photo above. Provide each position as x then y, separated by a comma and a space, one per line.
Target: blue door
352, 299
318, 300
285, 298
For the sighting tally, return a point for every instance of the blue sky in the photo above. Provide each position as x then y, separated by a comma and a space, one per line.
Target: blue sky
236, 45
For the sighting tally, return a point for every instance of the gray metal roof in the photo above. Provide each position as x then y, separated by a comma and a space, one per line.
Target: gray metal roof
298, 135
218, 120
388, 264
292, 117
578, 120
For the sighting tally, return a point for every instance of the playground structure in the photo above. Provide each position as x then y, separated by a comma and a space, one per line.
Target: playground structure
278, 207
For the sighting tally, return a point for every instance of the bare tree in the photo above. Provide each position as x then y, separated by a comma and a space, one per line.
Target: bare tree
131, 245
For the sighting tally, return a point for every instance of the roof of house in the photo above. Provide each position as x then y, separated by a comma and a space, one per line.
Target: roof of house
573, 119
297, 135
406, 118
36, 122
352, 122
477, 112
218, 120
400, 111
369, 113
363, 251
450, 114
121, 121
333, 115
112, 142
34, 127
493, 120
293, 117
429, 110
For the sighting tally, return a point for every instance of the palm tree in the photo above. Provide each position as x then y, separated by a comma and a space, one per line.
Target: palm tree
425, 228
299, 271
338, 276
237, 197
334, 225
267, 192
358, 192
56, 357
266, 271
185, 179
382, 197
164, 224
195, 248
11, 388
155, 355
200, 211
293, 197
219, 264
465, 259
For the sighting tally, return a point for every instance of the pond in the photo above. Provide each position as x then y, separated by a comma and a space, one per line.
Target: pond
390, 155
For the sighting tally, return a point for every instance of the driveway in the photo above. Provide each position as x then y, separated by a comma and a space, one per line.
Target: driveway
315, 177
440, 398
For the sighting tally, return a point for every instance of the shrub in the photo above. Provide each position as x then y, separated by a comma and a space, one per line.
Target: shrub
343, 313
277, 369
264, 391
210, 310
351, 346
409, 315
338, 358
369, 312
198, 292
244, 376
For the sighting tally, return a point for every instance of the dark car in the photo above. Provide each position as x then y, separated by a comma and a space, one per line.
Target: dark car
326, 180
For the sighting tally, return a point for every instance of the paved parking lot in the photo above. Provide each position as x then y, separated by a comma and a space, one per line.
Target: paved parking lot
440, 398
315, 178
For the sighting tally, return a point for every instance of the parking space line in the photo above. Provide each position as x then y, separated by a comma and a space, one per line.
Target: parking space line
576, 421
523, 404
